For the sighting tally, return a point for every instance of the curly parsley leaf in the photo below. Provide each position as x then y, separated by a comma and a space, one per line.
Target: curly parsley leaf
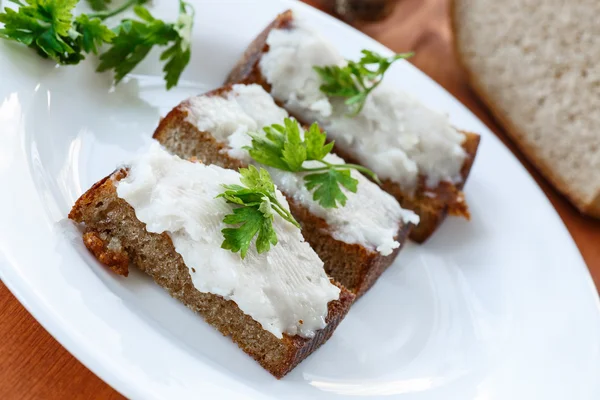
282, 147
44, 25
135, 38
179, 54
328, 192
48, 26
356, 80
93, 33
257, 179
337, 81
267, 148
316, 148
258, 205
133, 41
294, 149
251, 221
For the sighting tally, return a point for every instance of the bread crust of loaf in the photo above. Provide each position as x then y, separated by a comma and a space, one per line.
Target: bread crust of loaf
431, 204
108, 218
354, 266
590, 208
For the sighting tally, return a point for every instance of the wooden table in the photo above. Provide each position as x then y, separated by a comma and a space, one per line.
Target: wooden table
34, 365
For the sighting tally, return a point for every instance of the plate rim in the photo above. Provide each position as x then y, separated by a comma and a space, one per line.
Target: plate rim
19, 287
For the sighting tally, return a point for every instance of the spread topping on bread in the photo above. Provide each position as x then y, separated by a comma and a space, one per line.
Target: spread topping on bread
284, 289
353, 81
370, 216
394, 135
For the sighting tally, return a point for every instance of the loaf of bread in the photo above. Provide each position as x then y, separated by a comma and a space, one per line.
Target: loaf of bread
432, 204
351, 264
118, 238
536, 65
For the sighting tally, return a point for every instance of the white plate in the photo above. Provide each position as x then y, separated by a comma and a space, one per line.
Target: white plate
501, 307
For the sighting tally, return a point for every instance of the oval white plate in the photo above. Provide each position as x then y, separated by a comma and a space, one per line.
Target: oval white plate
501, 307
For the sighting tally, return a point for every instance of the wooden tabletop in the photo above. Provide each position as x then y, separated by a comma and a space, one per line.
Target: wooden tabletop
34, 365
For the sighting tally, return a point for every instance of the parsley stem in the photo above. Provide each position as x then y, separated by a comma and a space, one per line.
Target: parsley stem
111, 13
283, 213
321, 169
365, 171
357, 167
361, 83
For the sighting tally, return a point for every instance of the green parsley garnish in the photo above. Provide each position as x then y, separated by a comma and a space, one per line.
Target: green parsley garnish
282, 147
99, 5
93, 33
356, 80
258, 203
134, 39
50, 28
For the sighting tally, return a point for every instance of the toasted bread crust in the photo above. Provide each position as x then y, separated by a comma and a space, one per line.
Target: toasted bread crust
246, 69
105, 215
354, 266
431, 204
117, 260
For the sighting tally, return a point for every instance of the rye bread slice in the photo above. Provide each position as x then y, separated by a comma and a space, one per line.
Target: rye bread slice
431, 204
536, 66
352, 265
117, 239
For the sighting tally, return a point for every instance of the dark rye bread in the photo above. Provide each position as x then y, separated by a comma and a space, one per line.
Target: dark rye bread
431, 204
117, 238
354, 266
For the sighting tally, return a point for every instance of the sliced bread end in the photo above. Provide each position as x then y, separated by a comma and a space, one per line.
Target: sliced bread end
535, 65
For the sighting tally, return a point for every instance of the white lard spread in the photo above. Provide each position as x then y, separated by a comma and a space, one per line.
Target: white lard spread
371, 216
394, 135
285, 289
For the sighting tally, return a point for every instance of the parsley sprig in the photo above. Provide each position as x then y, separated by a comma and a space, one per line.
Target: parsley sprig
50, 28
282, 147
356, 80
258, 204
135, 38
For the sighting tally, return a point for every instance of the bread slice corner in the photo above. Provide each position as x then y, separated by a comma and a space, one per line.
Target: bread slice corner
117, 238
